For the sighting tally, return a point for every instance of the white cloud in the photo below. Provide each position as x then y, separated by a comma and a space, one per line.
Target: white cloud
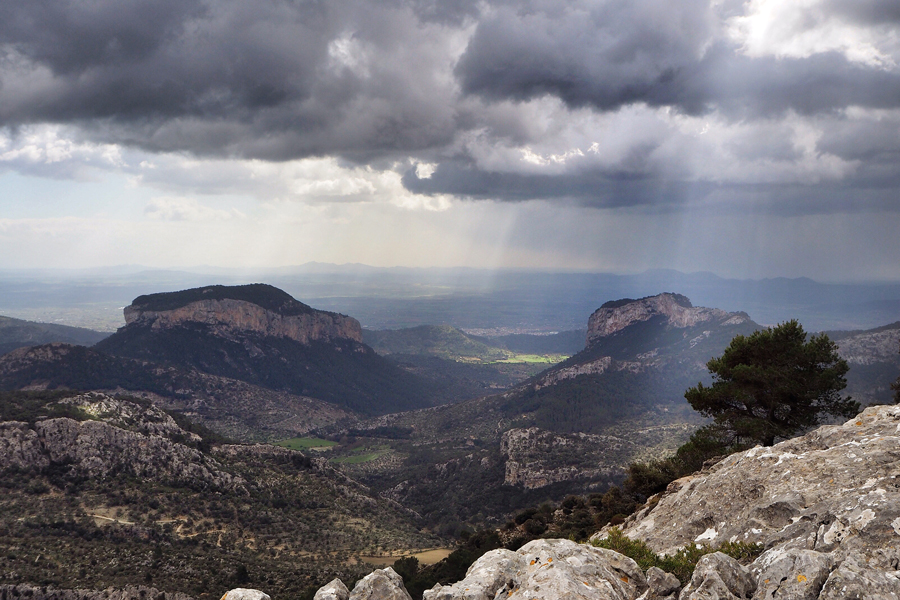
801, 28
169, 208
56, 151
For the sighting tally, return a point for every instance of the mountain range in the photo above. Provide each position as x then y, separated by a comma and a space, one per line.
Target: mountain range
121, 444
254, 363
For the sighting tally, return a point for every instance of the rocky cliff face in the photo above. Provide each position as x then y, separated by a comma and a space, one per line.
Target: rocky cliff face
871, 347
677, 309
536, 458
98, 449
826, 506
228, 317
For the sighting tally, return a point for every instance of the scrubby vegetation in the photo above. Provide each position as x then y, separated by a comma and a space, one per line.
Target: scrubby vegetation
682, 563
287, 526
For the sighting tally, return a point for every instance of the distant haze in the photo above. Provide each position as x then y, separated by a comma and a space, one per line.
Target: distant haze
494, 302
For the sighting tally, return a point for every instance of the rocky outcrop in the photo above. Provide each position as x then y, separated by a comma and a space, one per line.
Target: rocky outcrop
142, 418
228, 317
245, 594
98, 449
594, 367
677, 309
381, 584
719, 577
548, 569
536, 458
871, 347
334, 590
825, 506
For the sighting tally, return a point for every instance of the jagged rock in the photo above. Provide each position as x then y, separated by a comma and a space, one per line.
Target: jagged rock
835, 489
548, 569
719, 577
146, 419
855, 579
333, 590
97, 449
381, 584
791, 574
537, 458
495, 570
245, 594
662, 585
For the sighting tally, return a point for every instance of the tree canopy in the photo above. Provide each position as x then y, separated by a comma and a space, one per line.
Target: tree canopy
774, 383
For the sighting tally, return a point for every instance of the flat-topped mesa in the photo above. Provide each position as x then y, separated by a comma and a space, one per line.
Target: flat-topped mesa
228, 310
618, 314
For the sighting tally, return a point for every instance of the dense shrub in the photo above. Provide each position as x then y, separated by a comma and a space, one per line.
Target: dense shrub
682, 563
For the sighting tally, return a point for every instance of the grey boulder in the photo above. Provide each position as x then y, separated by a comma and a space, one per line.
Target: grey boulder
381, 584
854, 579
719, 577
333, 590
245, 594
791, 574
548, 569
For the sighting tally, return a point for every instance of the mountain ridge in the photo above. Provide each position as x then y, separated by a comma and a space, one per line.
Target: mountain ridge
281, 344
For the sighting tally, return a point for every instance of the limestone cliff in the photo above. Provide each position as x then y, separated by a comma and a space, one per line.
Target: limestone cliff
261, 335
677, 309
243, 313
649, 335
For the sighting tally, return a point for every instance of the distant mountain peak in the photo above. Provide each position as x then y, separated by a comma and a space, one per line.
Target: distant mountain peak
228, 310
266, 296
616, 315
677, 298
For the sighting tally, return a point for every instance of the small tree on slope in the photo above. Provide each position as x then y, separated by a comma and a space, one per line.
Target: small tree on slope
773, 384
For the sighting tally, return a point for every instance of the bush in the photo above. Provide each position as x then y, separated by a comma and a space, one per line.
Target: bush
682, 563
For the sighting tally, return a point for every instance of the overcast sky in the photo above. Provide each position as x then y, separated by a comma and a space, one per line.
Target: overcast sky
749, 138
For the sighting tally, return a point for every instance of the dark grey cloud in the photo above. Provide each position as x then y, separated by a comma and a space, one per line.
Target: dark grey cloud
275, 80
869, 12
620, 54
378, 82
592, 187
70, 37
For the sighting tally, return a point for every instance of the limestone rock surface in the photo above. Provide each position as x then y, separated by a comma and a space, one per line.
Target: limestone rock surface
381, 584
791, 573
536, 458
548, 569
245, 594
825, 506
333, 590
97, 449
662, 584
719, 577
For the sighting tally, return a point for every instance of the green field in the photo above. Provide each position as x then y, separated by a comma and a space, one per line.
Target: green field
355, 459
305, 443
362, 454
549, 359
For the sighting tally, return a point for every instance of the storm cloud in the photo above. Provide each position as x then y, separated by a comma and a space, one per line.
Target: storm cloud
608, 104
